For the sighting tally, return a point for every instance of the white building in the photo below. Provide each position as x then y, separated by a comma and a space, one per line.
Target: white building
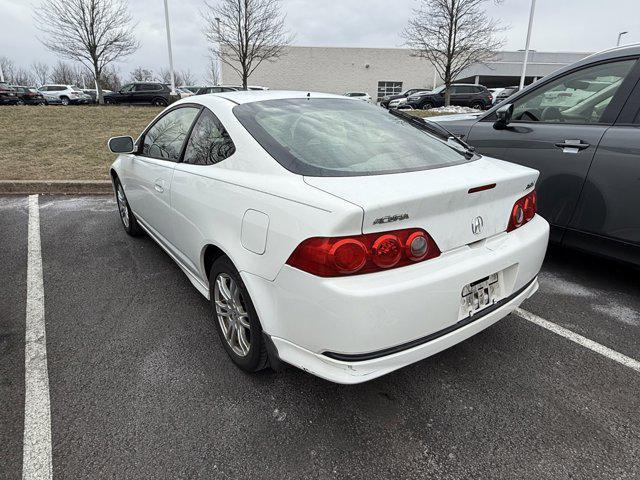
382, 71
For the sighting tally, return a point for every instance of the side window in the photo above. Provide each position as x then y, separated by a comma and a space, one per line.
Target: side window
164, 140
579, 97
209, 142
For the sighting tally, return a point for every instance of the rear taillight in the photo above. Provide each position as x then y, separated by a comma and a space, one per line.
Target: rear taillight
339, 256
523, 211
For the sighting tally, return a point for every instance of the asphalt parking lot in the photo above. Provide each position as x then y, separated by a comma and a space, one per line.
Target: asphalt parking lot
141, 388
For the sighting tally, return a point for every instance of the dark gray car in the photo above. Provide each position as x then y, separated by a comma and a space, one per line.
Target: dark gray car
580, 127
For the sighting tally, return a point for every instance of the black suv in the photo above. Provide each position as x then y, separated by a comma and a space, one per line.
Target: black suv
387, 98
152, 93
462, 94
8, 95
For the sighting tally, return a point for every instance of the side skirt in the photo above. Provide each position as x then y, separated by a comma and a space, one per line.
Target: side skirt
194, 279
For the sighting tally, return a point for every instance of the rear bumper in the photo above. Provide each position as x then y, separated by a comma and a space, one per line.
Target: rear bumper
397, 312
351, 372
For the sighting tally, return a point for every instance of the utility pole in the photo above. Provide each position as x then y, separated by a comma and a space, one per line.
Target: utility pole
219, 59
166, 19
620, 37
1, 74
526, 47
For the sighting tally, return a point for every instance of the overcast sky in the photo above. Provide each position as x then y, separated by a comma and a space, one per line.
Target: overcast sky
559, 25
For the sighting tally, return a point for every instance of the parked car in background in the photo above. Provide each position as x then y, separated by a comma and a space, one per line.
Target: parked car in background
462, 94
494, 93
8, 94
29, 96
359, 95
580, 127
150, 93
51, 99
506, 93
346, 257
398, 103
192, 88
215, 89
184, 93
249, 87
68, 94
387, 98
93, 93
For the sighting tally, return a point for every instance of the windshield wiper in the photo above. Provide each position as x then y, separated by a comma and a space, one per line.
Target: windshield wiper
435, 129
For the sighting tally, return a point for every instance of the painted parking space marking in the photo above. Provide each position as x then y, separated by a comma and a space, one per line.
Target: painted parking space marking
36, 456
579, 339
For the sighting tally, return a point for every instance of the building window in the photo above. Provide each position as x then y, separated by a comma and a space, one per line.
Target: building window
389, 88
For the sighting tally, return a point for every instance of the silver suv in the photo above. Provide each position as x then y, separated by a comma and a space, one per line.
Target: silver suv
67, 94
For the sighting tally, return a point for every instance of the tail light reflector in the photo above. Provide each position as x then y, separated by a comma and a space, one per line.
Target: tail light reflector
340, 256
523, 211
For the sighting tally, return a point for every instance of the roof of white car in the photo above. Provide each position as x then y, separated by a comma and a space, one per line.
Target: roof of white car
248, 96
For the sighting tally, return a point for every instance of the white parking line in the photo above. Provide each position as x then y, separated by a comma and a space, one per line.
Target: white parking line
36, 453
579, 339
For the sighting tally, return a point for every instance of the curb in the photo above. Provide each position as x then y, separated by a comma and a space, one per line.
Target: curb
56, 187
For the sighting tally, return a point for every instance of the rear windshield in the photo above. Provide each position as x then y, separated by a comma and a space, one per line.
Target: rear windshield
330, 137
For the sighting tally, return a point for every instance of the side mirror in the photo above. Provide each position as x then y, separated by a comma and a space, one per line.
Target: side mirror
503, 115
121, 144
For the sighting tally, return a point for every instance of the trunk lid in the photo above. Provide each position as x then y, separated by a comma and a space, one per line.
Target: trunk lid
437, 200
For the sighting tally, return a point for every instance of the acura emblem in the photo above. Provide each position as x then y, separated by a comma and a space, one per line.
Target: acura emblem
476, 225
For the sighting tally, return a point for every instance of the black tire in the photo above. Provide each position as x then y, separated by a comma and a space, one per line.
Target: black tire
159, 102
477, 105
427, 106
109, 101
20, 102
130, 223
65, 101
257, 357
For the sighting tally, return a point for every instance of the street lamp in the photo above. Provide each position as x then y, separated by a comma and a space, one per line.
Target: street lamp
526, 47
166, 19
620, 37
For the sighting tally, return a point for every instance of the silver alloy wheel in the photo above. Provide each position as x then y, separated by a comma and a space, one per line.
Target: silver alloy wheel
64, 100
122, 206
232, 314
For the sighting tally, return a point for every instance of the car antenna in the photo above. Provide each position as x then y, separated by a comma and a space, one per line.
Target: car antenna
308, 95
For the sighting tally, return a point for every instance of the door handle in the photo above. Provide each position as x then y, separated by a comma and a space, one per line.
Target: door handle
572, 146
159, 186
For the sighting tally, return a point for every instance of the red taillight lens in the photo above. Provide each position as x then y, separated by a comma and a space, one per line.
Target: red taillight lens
334, 257
523, 211
348, 255
386, 251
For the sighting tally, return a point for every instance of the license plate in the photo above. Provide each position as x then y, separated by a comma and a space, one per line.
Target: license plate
479, 295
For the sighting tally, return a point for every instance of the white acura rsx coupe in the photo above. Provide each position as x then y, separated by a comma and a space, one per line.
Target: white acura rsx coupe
330, 234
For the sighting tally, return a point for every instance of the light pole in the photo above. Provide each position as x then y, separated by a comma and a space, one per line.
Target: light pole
620, 37
219, 59
1, 74
526, 47
166, 19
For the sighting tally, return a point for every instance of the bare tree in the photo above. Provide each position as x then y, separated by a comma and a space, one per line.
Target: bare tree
141, 74
23, 77
92, 32
40, 72
453, 35
63, 73
7, 66
188, 78
165, 76
246, 33
110, 79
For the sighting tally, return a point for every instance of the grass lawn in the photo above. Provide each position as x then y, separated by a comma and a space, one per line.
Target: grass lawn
64, 143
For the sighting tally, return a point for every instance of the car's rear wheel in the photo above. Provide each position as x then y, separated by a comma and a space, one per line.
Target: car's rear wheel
236, 319
159, 102
477, 106
129, 220
64, 100
427, 105
109, 101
